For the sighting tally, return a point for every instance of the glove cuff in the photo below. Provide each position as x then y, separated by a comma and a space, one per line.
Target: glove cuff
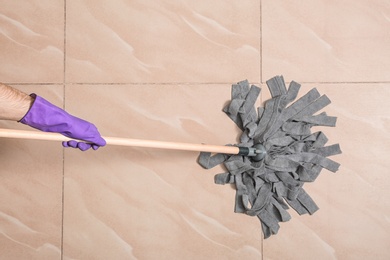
43, 116
23, 119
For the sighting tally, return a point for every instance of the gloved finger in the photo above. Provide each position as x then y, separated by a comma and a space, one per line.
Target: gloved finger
95, 147
74, 144
99, 141
80, 145
83, 146
71, 143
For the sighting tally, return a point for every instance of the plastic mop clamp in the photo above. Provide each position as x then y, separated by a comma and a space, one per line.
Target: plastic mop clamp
276, 155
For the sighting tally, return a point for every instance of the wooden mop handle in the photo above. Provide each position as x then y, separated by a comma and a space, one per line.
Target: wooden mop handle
35, 135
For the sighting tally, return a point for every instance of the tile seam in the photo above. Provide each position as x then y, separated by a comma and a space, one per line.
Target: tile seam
261, 42
63, 150
261, 93
185, 83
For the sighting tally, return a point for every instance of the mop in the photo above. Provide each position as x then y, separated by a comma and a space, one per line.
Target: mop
276, 155
290, 154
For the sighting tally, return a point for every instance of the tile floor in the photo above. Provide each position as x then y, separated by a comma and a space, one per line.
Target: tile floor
162, 70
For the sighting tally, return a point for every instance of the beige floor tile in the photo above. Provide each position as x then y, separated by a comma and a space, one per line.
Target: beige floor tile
31, 191
123, 202
32, 41
164, 41
322, 41
352, 222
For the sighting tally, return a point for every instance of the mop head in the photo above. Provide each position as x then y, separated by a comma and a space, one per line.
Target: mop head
294, 155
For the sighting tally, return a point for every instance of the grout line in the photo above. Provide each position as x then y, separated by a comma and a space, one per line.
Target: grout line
63, 149
261, 73
157, 83
261, 93
63, 199
187, 83
346, 82
261, 43
32, 83
340, 82
64, 64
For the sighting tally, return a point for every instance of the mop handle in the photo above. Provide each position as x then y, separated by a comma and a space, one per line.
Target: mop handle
35, 135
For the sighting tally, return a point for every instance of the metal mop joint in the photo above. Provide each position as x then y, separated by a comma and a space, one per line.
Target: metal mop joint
257, 152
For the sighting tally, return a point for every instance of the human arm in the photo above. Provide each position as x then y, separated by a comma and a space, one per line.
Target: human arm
35, 111
14, 104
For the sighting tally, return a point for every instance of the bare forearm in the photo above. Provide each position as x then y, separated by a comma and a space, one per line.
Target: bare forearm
14, 104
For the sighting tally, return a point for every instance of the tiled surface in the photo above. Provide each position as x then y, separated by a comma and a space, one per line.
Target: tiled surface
162, 70
162, 41
322, 41
31, 191
32, 41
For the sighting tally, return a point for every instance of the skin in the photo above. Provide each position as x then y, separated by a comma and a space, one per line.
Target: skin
14, 104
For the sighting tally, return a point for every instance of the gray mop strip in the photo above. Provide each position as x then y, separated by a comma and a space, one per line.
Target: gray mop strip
294, 156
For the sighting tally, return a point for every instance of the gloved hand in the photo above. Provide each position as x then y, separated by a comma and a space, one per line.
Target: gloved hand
47, 117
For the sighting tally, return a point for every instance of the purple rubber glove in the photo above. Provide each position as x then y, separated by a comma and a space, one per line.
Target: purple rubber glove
47, 117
